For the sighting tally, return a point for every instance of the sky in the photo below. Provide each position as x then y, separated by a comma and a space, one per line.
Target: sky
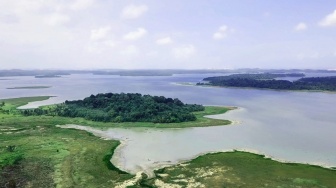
167, 34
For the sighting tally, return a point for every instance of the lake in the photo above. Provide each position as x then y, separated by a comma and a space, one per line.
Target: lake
288, 126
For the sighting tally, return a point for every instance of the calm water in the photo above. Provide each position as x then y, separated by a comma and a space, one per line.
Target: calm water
290, 126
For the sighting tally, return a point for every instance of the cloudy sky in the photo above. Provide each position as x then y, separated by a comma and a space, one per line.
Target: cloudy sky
188, 34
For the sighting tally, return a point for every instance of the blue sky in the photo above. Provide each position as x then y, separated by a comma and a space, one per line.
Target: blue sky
212, 34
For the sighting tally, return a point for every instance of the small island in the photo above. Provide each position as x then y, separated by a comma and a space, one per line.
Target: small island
47, 76
271, 81
131, 110
30, 87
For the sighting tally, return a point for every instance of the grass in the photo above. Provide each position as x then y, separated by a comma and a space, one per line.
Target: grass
30, 87
35, 153
243, 169
69, 157
11, 104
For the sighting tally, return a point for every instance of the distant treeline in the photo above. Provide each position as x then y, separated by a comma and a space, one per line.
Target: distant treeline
262, 76
17, 72
47, 76
266, 81
124, 107
152, 72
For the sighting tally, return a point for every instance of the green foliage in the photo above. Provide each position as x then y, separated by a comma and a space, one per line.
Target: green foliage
123, 107
43, 155
110, 166
10, 155
263, 76
267, 81
16, 102
243, 169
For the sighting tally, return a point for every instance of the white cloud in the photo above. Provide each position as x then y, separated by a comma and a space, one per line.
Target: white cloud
329, 20
301, 27
81, 4
130, 50
184, 52
164, 41
57, 19
100, 33
224, 28
135, 35
219, 35
133, 11
222, 32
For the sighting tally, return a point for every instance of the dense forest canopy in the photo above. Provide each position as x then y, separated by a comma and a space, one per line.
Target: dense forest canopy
124, 107
267, 81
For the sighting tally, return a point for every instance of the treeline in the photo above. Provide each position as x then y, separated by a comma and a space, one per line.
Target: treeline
311, 83
124, 107
263, 76
17, 72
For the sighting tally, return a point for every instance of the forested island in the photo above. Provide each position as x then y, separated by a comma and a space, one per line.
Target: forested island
47, 76
30, 87
268, 81
123, 107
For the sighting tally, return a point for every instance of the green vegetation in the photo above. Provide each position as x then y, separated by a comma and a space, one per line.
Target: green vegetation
123, 107
262, 76
46, 155
267, 81
30, 87
242, 169
35, 153
11, 104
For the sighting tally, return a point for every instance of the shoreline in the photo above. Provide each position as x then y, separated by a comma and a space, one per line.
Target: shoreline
250, 151
30, 87
150, 172
202, 121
